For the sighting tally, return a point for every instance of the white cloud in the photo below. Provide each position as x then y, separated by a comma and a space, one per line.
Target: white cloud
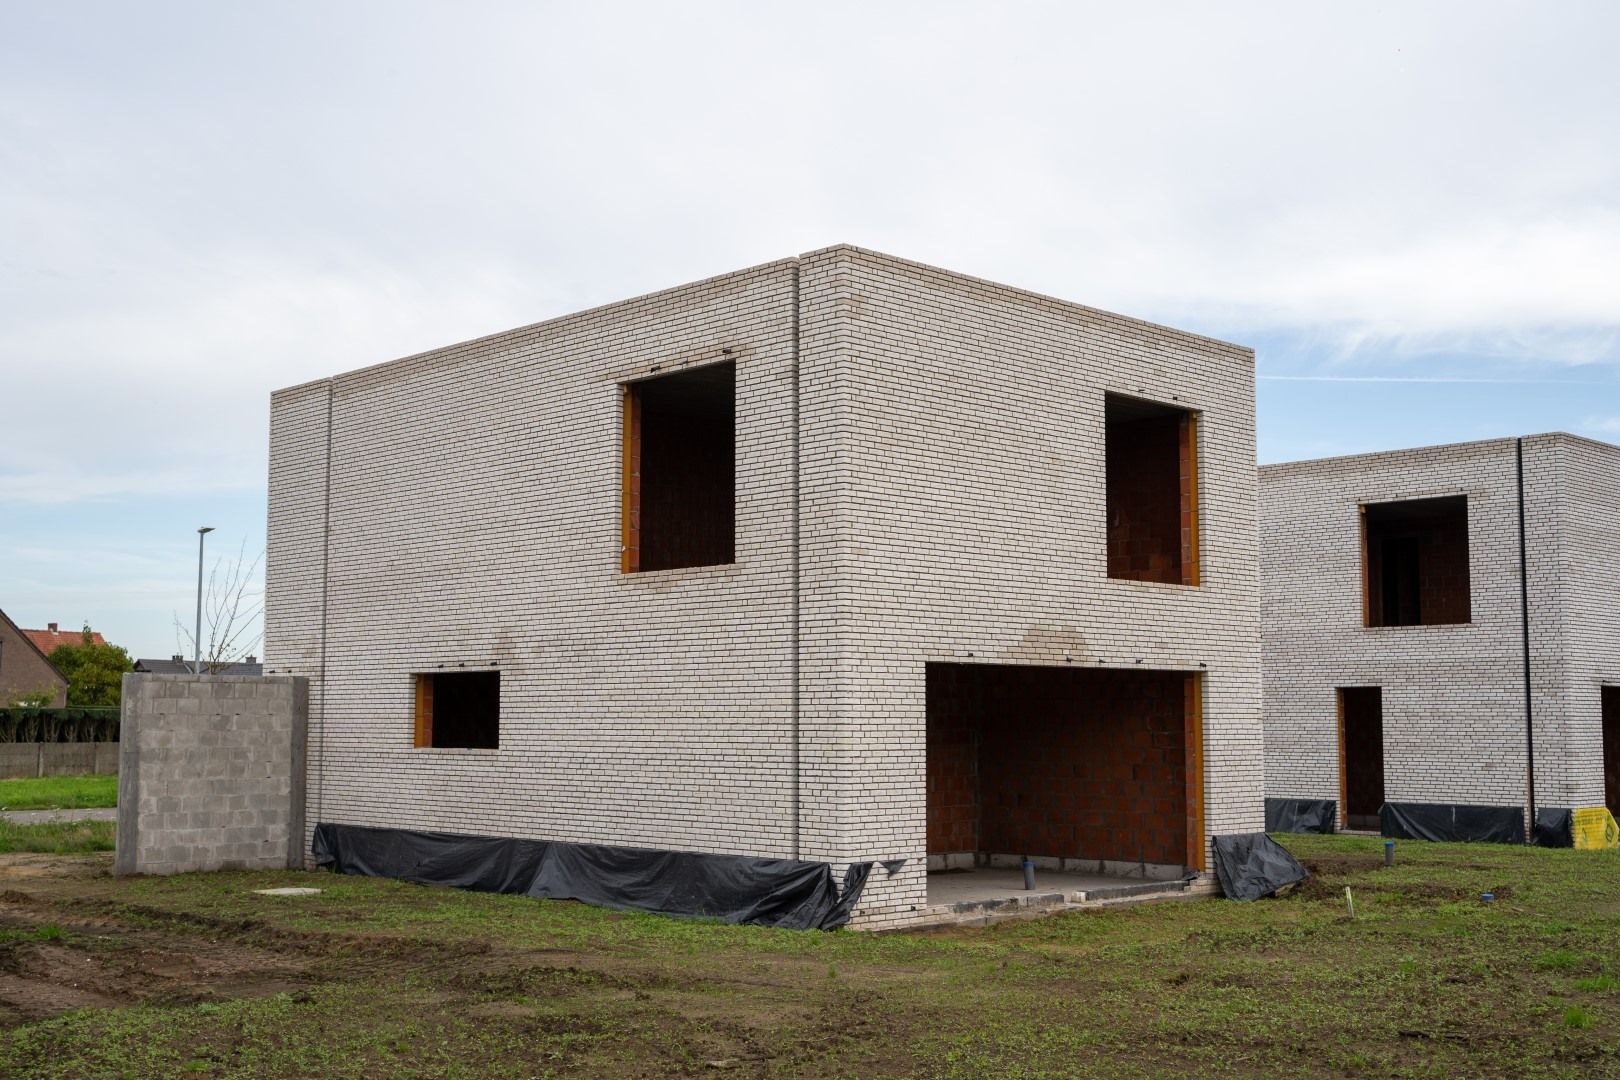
199, 205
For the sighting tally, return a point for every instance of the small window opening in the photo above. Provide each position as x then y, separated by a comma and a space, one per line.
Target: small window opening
679, 470
459, 710
1415, 555
1151, 475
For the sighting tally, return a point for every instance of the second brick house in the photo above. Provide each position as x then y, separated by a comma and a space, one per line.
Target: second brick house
1442, 638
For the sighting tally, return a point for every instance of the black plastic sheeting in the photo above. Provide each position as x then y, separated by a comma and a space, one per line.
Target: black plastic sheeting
1555, 827
1252, 865
1302, 815
785, 893
1444, 821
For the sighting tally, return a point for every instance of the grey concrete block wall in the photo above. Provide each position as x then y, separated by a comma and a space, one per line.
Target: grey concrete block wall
211, 773
1453, 695
919, 477
21, 760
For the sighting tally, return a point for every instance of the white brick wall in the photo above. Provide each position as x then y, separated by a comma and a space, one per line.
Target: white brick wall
971, 505
1575, 565
1453, 695
950, 501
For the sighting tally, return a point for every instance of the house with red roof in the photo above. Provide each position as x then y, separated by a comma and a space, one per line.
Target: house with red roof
48, 639
25, 667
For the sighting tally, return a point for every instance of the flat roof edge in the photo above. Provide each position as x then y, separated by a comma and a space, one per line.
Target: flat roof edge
640, 298
914, 264
1304, 464
830, 250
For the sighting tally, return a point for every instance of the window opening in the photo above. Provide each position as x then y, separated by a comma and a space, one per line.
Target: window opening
459, 710
1416, 562
679, 483
1151, 476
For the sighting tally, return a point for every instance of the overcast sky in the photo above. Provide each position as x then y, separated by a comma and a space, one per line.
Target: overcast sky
1411, 211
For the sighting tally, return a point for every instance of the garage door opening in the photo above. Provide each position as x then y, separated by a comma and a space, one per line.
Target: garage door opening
1611, 748
1086, 771
1361, 754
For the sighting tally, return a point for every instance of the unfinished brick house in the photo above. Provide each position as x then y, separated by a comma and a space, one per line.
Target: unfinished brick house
841, 558
1442, 638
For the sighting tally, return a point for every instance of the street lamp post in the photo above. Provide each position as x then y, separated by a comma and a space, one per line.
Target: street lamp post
196, 641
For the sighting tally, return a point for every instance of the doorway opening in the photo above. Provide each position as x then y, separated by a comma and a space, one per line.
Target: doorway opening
1361, 756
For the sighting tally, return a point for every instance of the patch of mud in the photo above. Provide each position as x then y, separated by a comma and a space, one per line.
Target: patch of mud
30, 866
42, 979
1315, 888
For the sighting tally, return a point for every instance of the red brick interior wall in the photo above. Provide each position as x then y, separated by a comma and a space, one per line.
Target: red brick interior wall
953, 759
1077, 763
1443, 568
1149, 493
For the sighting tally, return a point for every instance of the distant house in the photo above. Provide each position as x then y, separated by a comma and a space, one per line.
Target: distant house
179, 665
24, 667
48, 639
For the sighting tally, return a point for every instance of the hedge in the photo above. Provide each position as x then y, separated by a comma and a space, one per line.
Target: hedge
58, 725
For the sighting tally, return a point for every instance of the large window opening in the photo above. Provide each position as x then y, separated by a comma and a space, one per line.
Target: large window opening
1361, 754
459, 710
1151, 476
680, 470
1415, 555
1072, 764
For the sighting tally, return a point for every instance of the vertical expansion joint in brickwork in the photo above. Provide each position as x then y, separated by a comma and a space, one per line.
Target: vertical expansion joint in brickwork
1524, 625
326, 563
796, 643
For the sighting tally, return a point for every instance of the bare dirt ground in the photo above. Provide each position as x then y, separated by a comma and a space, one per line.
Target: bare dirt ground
199, 975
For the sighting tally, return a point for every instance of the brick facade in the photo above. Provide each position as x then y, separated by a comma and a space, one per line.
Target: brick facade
919, 479
1453, 697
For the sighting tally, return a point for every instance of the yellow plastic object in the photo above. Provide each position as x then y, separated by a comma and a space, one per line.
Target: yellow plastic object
1595, 828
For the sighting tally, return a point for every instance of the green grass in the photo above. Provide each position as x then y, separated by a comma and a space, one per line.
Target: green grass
378, 978
57, 837
59, 793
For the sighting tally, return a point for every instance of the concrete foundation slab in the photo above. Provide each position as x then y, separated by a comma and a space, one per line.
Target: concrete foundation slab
964, 896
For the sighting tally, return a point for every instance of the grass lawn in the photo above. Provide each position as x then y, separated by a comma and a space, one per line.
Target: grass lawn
56, 837
196, 975
59, 793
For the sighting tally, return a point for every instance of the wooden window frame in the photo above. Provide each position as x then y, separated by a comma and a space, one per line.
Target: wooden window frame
1193, 748
630, 483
